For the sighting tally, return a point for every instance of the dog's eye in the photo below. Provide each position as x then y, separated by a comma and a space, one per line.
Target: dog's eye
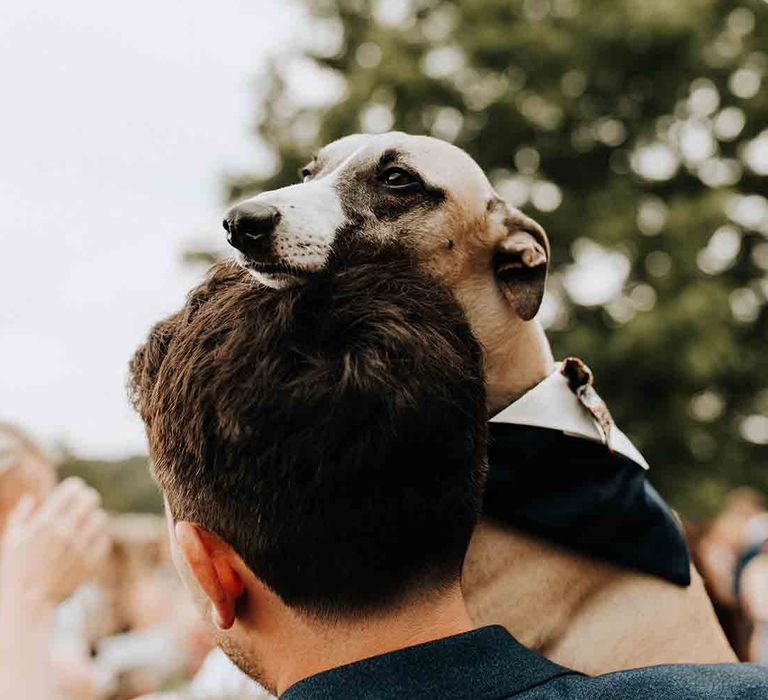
305, 174
399, 179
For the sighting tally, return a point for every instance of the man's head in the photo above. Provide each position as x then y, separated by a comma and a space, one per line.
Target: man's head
422, 193
332, 435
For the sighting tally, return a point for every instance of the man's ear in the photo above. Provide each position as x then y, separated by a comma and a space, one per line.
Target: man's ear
212, 563
520, 263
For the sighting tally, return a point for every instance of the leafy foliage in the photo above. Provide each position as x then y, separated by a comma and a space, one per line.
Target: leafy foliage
125, 485
633, 130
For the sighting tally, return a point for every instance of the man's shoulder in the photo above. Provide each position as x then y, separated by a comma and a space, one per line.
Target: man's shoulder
673, 681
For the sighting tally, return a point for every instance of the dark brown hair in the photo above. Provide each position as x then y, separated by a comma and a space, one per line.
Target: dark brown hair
333, 433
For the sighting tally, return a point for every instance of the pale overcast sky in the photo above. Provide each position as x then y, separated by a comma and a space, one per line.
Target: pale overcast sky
118, 121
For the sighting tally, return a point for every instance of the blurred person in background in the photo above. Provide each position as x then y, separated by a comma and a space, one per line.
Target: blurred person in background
53, 539
154, 639
732, 556
753, 596
723, 541
750, 587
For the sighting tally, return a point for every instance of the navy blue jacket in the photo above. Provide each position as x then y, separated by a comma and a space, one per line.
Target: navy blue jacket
489, 664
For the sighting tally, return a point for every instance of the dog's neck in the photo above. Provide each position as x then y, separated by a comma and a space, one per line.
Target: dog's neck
518, 361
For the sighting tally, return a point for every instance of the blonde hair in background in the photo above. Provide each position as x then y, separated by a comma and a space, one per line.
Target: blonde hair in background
16, 447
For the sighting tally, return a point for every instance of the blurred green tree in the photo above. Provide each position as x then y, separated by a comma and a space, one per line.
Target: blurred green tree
125, 485
634, 130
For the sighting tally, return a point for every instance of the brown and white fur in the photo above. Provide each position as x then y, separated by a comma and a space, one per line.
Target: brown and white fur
433, 198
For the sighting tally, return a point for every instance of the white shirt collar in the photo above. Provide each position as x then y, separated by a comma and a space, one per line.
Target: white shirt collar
552, 404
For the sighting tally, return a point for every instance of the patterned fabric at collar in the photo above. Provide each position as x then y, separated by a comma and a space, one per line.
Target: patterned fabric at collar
555, 405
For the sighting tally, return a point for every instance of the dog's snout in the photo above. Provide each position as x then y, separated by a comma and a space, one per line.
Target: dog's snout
250, 226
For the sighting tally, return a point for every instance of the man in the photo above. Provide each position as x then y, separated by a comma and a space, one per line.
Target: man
322, 455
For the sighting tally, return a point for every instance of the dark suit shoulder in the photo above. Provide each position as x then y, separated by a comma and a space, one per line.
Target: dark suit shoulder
667, 682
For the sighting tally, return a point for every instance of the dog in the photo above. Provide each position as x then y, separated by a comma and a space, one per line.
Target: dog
433, 199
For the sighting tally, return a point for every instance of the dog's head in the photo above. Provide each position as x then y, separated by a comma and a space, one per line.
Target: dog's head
415, 191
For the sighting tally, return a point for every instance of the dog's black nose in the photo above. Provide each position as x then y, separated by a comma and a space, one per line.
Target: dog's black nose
250, 226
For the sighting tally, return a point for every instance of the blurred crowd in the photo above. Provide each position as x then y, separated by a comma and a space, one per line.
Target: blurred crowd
90, 605
92, 609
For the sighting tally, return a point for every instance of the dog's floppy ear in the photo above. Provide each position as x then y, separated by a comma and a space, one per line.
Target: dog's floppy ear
520, 263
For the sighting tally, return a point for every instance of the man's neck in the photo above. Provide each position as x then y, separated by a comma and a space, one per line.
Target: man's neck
516, 363
320, 647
